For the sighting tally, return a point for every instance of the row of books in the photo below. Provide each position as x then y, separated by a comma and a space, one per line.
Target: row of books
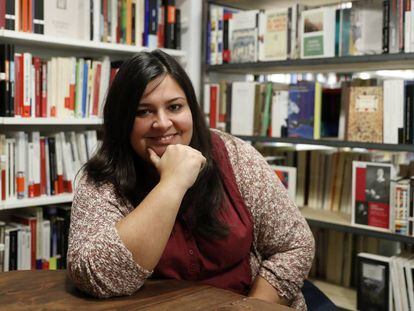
35, 239
360, 110
151, 23
57, 87
385, 282
363, 185
336, 252
357, 28
34, 165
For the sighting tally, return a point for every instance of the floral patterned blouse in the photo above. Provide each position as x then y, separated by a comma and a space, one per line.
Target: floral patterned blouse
283, 246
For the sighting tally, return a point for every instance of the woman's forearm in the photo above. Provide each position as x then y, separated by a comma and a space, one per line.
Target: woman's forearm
146, 230
261, 289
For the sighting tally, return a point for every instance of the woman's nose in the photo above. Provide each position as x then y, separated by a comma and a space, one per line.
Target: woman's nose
162, 121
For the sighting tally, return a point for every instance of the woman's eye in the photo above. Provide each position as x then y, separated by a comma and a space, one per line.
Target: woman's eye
175, 107
143, 112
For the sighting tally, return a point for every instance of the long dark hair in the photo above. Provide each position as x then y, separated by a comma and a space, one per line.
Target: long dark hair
116, 162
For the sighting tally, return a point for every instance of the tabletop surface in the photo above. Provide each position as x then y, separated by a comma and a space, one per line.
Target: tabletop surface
52, 290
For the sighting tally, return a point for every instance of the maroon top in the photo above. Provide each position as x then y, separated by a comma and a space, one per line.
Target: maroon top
224, 262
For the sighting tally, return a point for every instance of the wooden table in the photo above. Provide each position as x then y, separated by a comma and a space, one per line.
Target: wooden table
52, 290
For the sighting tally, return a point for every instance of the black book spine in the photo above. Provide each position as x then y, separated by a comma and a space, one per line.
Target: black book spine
177, 29
12, 80
52, 165
13, 250
385, 26
4, 84
38, 20
10, 15
169, 22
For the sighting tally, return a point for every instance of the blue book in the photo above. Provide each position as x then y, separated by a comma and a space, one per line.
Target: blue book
84, 88
301, 110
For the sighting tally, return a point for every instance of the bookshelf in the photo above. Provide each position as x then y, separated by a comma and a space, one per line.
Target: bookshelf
49, 121
59, 43
328, 64
343, 297
40, 201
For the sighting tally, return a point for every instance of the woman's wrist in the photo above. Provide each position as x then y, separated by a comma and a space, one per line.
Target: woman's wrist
261, 289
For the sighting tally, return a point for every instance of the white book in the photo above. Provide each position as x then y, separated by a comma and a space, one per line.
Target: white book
96, 20
317, 33
104, 83
273, 32
279, 111
366, 21
409, 270
45, 246
30, 169
242, 108
21, 169
36, 158
59, 154
63, 18
84, 20
396, 284
139, 21
91, 143
393, 110
114, 19
27, 73
243, 36
83, 154
79, 87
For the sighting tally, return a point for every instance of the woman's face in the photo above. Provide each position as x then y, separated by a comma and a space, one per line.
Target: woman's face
163, 118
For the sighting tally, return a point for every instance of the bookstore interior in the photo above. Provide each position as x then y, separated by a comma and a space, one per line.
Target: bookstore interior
320, 88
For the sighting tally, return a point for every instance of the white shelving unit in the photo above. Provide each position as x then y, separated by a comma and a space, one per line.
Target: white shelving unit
33, 39
39, 201
50, 121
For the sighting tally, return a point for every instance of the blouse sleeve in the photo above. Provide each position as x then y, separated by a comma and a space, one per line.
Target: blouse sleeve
97, 260
282, 238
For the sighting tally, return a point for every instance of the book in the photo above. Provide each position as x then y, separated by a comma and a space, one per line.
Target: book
273, 34
365, 114
374, 290
287, 175
243, 36
317, 33
371, 187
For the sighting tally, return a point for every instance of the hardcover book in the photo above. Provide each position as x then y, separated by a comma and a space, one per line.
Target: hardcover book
318, 33
374, 283
243, 37
287, 175
371, 187
365, 114
304, 110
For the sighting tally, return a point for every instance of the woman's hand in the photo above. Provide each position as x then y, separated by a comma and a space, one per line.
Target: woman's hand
261, 289
179, 164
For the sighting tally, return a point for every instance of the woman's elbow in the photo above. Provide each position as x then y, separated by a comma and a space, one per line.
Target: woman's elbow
101, 279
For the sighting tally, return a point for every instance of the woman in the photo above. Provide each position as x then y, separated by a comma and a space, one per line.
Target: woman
164, 196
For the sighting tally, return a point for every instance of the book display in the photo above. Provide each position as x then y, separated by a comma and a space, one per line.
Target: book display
319, 98
57, 59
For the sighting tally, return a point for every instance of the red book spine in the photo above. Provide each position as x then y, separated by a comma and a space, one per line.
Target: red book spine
44, 91
213, 106
43, 180
37, 63
96, 85
3, 14
18, 84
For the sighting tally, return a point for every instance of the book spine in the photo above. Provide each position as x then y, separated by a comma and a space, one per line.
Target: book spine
38, 20
10, 14
169, 24
177, 29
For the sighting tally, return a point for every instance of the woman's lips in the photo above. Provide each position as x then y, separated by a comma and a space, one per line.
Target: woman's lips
163, 140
